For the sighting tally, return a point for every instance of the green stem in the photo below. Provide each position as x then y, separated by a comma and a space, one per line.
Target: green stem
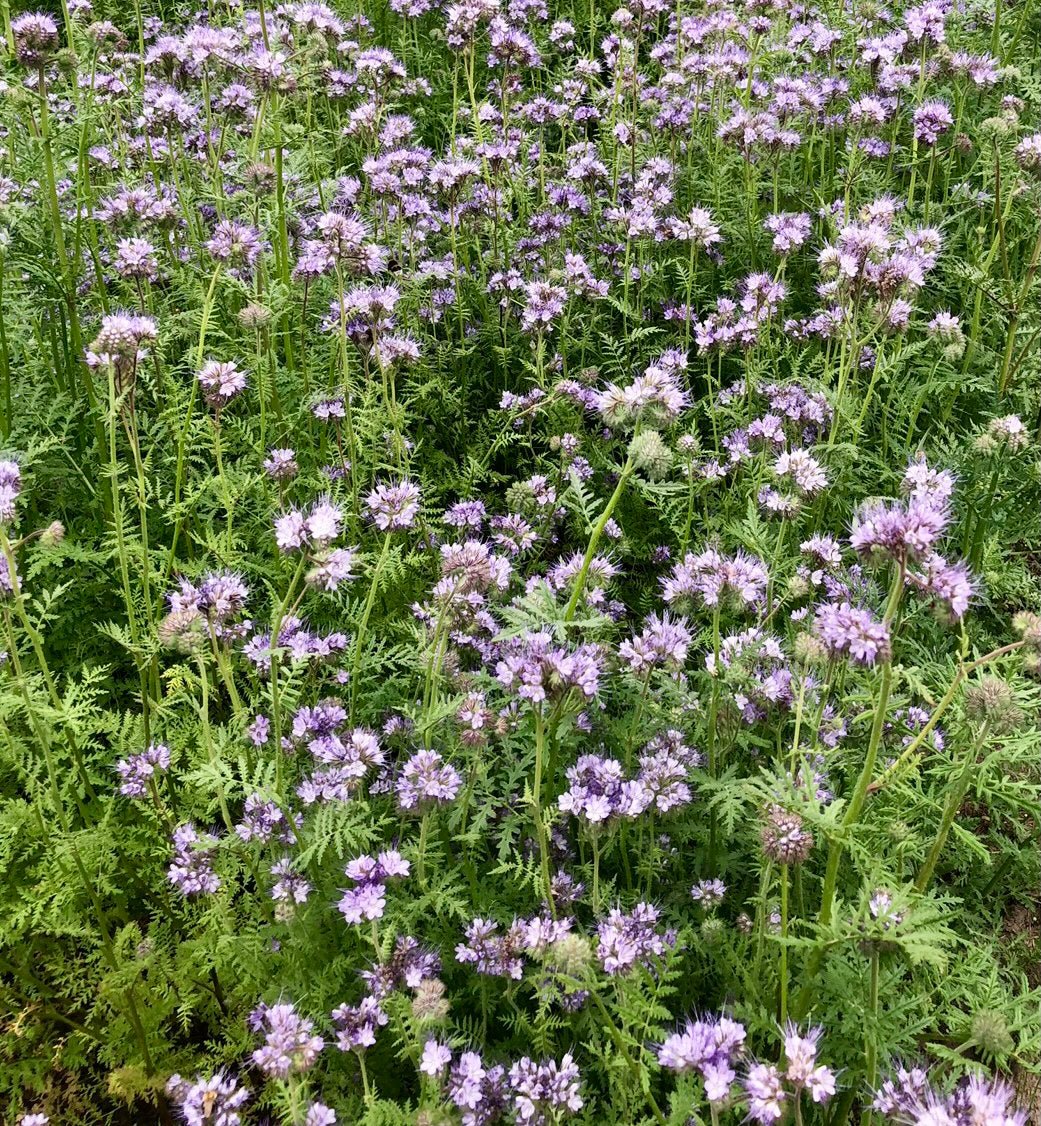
954, 800
783, 1006
540, 828
594, 541
871, 1035
359, 641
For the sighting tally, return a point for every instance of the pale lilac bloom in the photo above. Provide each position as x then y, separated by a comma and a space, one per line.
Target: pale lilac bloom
599, 791
710, 576
765, 1093
949, 584
35, 37
664, 642
709, 893
436, 1057
801, 1067
625, 940
191, 870
931, 120
289, 887
367, 899
10, 489
711, 1046
318, 1114
492, 953
221, 382
139, 771
290, 1044
356, 1025
426, 779
393, 507
537, 669
543, 1092
848, 630
208, 1102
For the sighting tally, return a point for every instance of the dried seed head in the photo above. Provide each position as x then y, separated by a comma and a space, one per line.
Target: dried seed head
712, 931
785, 839
254, 316
809, 649
990, 700
571, 954
429, 1003
182, 630
1028, 625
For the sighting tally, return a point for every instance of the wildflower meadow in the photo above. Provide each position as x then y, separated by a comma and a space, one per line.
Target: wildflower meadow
520, 562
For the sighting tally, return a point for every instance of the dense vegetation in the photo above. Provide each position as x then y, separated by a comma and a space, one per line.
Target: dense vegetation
520, 574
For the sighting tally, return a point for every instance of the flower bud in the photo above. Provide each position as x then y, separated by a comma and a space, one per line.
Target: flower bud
53, 534
650, 454
990, 1033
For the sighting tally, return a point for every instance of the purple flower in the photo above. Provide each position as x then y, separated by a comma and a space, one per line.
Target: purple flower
479, 1092
436, 1057
710, 1046
790, 230
122, 342
367, 899
290, 1045
259, 730
537, 669
10, 488
624, 940
802, 1070
280, 464
910, 1097
543, 303
465, 514
492, 953
664, 642
264, 821
191, 870
135, 259
543, 1092
208, 1102
711, 576
393, 507
318, 1114
332, 567
288, 887
931, 119
426, 779
901, 530
949, 584
35, 37
356, 1025
709, 893
140, 770
235, 242
599, 792
665, 767
765, 1092
849, 630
